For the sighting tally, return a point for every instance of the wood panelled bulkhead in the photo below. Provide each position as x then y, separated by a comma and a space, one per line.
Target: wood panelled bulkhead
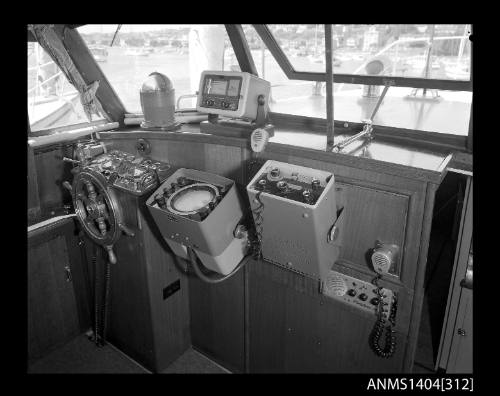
58, 297
144, 322
245, 324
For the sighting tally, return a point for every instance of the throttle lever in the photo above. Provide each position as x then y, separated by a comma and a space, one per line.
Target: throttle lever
67, 185
126, 230
66, 159
111, 254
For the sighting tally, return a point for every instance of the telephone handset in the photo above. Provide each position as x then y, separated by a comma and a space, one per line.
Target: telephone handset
382, 259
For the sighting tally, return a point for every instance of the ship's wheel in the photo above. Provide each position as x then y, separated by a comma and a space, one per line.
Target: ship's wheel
97, 208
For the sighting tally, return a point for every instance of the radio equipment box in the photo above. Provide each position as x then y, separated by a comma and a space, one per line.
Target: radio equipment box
231, 94
295, 211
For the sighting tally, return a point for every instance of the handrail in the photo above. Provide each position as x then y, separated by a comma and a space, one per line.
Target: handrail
40, 66
45, 81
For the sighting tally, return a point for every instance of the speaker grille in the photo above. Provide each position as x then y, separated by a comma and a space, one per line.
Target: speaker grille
382, 260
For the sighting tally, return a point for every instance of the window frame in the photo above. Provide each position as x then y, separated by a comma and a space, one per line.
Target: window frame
112, 104
397, 134
90, 71
410, 82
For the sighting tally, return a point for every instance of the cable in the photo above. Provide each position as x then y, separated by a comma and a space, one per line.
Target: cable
390, 337
106, 299
100, 302
96, 298
212, 279
256, 243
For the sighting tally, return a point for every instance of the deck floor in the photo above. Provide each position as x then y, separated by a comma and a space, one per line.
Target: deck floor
80, 356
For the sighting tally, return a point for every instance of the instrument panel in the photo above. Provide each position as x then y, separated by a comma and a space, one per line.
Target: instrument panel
136, 175
231, 94
285, 182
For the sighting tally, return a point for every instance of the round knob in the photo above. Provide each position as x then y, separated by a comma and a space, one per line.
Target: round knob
225, 105
168, 191
282, 185
307, 195
375, 300
160, 200
182, 181
351, 292
363, 297
209, 102
275, 172
261, 185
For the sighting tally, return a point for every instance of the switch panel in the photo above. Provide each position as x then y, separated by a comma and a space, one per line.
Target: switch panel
355, 292
127, 172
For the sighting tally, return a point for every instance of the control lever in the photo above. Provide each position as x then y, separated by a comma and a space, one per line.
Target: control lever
67, 186
111, 254
126, 230
66, 159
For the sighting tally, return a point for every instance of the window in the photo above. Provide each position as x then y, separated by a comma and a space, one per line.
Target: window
287, 96
181, 52
304, 45
388, 50
422, 52
52, 100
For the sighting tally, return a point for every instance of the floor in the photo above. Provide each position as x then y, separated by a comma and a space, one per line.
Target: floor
80, 356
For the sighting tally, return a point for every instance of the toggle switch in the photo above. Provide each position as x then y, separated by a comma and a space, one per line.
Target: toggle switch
307, 196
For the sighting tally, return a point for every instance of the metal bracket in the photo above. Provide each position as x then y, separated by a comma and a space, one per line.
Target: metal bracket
367, 128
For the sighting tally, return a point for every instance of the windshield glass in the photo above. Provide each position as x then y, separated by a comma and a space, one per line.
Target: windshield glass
425, 51
429, 110
181, 52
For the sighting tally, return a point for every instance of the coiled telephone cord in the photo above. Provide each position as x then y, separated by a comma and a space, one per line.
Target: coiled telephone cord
256, 243
101, 305
390, 334
96, 300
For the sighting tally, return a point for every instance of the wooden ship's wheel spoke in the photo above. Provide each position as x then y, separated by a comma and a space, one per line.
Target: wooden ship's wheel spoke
97, 209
